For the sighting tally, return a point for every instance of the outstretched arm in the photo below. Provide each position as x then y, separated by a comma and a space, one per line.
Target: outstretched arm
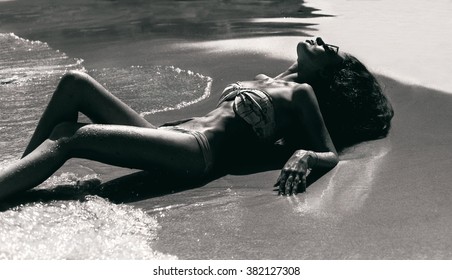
324, 155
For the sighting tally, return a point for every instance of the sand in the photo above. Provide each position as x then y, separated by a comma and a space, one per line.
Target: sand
387, 199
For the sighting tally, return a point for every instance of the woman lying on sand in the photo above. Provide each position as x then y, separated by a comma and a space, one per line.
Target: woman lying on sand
326, 100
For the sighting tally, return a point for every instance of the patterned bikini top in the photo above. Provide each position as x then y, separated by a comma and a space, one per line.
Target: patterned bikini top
254, 106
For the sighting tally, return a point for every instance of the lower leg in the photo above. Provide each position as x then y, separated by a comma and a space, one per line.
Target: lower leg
32, 170
78, 92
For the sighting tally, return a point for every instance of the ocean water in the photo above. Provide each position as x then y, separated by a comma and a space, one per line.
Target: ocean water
29, 71
89, 229
86, 227
80, 226
93, 20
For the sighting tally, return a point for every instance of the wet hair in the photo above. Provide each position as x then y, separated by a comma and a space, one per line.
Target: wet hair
353, 105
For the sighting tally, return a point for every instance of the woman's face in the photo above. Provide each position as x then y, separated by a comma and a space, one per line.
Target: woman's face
315, 56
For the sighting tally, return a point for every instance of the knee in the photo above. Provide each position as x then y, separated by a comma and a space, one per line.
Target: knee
63, 132
72, 81
73, 76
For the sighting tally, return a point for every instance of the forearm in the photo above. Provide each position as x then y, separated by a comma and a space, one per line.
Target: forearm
283, 74
326, 160
290, 71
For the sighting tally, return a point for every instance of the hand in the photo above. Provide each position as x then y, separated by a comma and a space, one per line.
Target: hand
292, 179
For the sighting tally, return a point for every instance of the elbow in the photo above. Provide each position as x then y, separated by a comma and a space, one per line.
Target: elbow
335, 160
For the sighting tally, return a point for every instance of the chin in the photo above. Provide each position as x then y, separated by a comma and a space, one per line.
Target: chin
302, 49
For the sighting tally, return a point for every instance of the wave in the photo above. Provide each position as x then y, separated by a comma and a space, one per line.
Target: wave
30, 70
87, 226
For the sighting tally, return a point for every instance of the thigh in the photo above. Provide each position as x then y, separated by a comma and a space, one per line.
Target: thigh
136, 147
96, 102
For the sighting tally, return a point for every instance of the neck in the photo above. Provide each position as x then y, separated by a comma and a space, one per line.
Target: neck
307, 73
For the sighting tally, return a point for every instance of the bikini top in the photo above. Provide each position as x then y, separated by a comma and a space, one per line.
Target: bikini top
254, 106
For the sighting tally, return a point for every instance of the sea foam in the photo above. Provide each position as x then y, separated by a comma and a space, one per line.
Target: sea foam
77, 226
90, 229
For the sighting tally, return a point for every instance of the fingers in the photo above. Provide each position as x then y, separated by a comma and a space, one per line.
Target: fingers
296, 183
291, 183
301, 184
281, 183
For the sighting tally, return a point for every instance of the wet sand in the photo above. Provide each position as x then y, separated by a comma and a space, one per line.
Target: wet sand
387, 199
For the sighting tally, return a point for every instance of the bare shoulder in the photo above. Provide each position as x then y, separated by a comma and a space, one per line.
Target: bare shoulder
303, 95
302, 90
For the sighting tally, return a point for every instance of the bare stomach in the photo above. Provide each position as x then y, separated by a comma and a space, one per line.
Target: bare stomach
222, 128
217, 122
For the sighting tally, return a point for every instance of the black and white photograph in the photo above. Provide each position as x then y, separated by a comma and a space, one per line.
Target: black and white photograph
226, 130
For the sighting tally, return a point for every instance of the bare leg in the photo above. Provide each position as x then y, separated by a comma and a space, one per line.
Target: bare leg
78, 92
125, 146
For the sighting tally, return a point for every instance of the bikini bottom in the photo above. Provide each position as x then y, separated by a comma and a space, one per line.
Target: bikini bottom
202, 142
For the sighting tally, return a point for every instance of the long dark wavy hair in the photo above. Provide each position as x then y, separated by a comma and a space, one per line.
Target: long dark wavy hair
352, 104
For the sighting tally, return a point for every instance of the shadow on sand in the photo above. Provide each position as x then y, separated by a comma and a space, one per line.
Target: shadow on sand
143, 185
